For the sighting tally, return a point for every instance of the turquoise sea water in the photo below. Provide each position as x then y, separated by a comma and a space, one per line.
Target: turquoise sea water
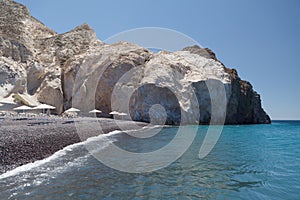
248, 162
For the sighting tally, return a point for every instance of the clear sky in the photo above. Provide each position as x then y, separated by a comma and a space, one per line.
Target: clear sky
260, 38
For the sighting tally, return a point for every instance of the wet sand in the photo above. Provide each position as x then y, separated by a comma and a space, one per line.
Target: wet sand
25, 140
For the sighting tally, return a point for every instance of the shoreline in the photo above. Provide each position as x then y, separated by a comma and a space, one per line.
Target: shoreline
26, 140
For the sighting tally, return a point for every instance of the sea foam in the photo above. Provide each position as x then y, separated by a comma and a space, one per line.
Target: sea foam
62, 152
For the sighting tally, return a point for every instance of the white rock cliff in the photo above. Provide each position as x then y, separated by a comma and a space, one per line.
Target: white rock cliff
76, 69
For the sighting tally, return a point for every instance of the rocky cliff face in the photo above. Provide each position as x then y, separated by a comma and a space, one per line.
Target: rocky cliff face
76, 69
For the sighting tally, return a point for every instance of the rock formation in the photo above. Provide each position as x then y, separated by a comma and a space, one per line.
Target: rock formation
77, 69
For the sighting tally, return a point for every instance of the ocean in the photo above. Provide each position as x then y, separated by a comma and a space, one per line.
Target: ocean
247, 162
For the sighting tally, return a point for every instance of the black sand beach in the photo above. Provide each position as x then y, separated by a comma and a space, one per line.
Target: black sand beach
25, 140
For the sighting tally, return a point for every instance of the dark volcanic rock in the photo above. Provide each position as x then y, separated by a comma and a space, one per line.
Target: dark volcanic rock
204, 52
244, 106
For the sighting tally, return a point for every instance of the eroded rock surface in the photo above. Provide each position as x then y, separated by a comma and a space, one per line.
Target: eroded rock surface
76, 69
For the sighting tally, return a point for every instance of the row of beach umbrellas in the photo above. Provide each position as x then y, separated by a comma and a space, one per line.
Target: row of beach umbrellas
77, 110
39, 107
97, 111
44, 107
49, 107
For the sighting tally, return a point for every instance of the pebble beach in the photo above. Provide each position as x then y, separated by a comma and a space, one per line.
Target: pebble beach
24, 139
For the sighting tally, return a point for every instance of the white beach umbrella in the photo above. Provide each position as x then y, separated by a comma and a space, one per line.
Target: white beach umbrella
122, 114
114, 113
44, 107
95, 111
23, 108
7, 101
72, 110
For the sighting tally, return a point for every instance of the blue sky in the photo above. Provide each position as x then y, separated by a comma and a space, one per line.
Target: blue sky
260, 38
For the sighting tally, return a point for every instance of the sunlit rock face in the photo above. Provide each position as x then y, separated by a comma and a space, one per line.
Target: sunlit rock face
76, 69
